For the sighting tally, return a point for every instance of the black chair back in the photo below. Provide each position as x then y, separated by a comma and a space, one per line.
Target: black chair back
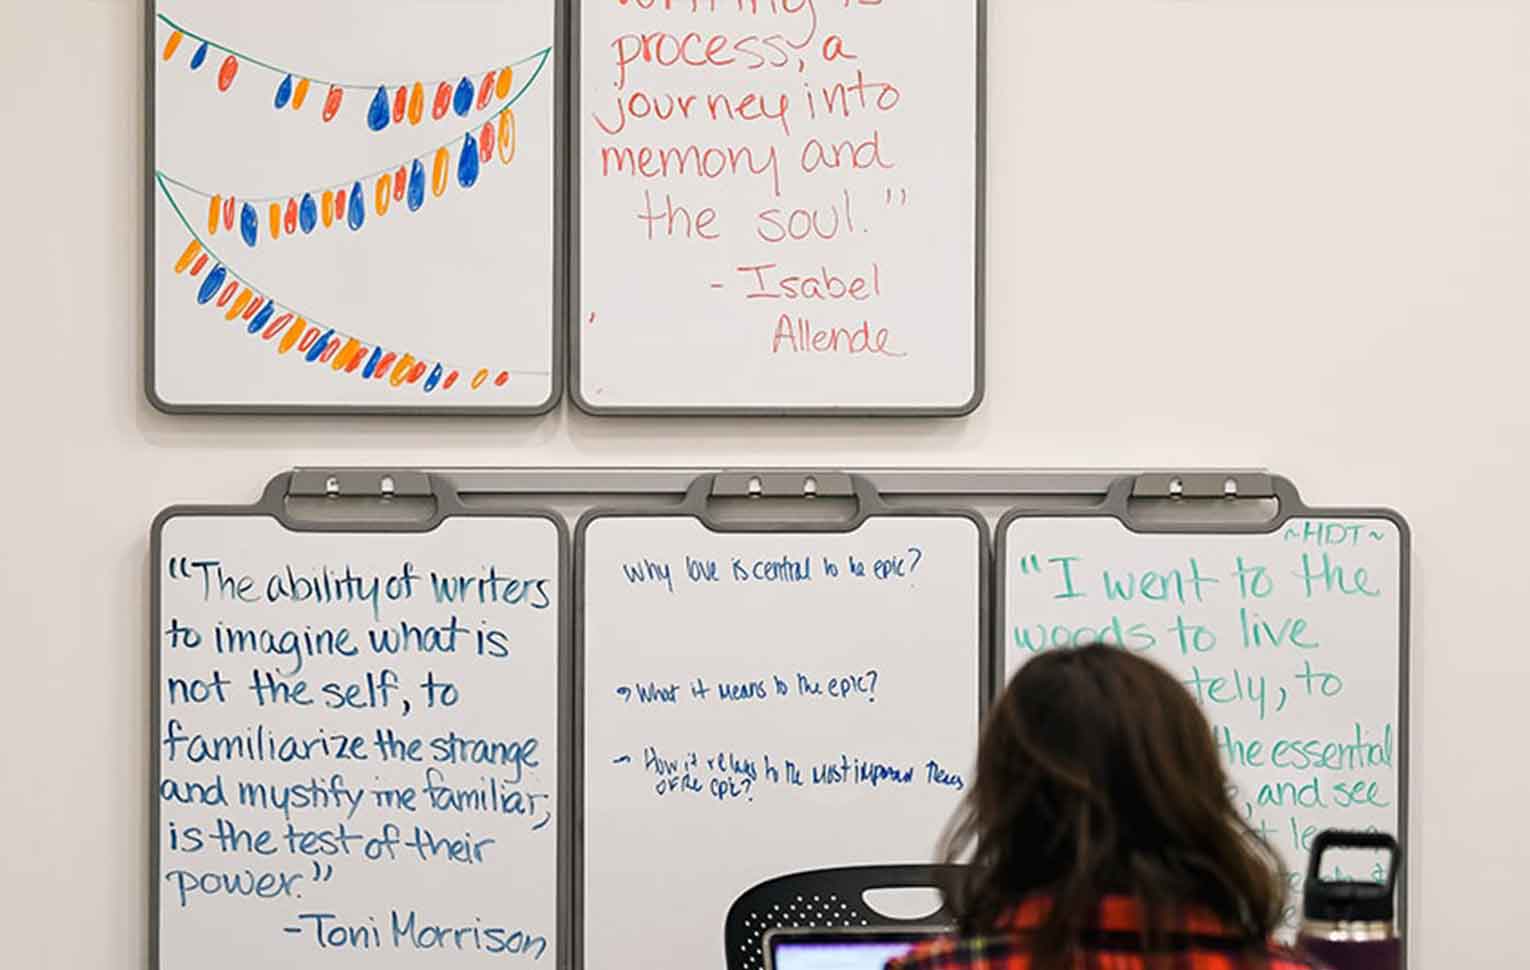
823, 899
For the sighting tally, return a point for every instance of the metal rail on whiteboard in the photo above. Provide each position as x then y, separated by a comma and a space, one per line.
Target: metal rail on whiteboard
468, 482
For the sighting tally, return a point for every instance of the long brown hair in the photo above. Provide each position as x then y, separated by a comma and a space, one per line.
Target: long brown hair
1098, 775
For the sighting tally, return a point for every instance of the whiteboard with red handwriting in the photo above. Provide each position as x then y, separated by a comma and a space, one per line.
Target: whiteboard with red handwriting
778, 206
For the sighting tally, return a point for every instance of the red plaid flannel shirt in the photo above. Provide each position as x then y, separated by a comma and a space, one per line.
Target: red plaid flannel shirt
1200, 942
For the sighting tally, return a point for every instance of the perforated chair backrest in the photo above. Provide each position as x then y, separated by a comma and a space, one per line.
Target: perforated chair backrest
822, 899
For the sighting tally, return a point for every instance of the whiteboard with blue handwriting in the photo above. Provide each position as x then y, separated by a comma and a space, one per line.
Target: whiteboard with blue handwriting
354, 207
779, 207
755, 704
1292, 641
357, 744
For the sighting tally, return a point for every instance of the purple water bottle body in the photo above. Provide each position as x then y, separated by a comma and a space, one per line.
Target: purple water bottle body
1351, 946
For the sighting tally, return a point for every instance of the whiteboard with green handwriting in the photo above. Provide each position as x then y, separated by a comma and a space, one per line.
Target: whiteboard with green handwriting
1292, 641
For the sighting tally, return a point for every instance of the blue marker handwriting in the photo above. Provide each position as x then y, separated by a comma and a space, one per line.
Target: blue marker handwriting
296, 757
346, 585
384, 842
846, 685
794, 568
294, 646
259, 744
734, 776
409, 930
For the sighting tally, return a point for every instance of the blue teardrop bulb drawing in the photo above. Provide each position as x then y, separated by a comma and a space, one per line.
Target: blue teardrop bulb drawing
379, 114
284, 92
356, 209
462, 102
416, 186
199, 57
262, 318
249, 224
433, 379
317, 350
308, 213
212, 284
467, 169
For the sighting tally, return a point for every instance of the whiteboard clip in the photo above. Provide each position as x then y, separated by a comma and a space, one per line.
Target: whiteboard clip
1202, 501
1204, 485
347, 483
349, 500
807, 485
792, 492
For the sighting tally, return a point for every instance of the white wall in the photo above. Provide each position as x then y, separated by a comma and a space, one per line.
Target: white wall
1291, 233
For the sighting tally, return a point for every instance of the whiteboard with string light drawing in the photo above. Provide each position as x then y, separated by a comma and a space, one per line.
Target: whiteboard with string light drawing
353, 207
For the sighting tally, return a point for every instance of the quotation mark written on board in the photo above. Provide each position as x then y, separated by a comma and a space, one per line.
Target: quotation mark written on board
1030, 565
180, 567
898, 197
320, 874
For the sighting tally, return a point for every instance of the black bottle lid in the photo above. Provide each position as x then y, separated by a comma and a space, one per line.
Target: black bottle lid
1350, 901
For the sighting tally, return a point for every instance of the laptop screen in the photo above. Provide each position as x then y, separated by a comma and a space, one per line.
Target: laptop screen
825, 952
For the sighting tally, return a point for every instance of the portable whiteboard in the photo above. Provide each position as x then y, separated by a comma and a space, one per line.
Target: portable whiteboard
762, 698
779, 208
358, 732
1290, 631
354, 208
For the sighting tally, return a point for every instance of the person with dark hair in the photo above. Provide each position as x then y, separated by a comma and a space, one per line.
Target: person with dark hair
1099, 834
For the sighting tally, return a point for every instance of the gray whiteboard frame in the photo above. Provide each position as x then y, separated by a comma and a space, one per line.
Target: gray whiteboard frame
696, 505
273, 504
1212, 490
979, 256
561, 227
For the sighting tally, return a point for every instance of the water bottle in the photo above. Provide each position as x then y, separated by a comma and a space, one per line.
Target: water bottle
1349, 924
